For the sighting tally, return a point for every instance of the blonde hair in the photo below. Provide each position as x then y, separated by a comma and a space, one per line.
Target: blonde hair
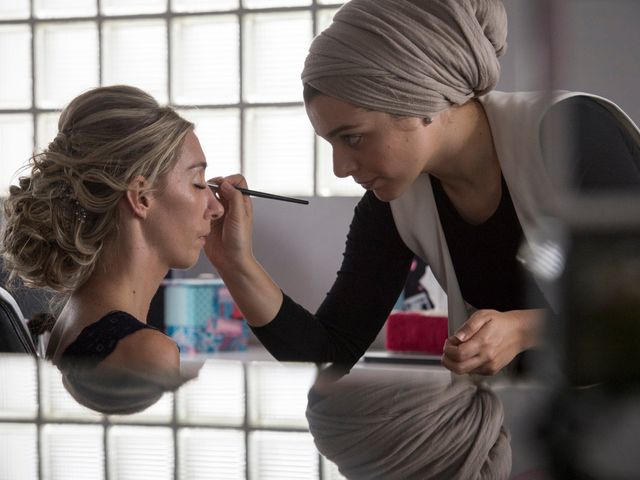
60, 215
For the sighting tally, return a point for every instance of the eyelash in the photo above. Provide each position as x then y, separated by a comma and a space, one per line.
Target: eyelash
201, 187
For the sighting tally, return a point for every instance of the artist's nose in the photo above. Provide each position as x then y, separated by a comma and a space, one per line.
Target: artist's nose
343, 164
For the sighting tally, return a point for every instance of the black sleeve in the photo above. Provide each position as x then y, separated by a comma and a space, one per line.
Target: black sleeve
373, 272
602, 155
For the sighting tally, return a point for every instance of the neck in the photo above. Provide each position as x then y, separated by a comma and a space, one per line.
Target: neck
468, 161
126, 281
468, 166
126, 292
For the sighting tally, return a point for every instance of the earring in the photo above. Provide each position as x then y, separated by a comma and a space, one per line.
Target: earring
427, 120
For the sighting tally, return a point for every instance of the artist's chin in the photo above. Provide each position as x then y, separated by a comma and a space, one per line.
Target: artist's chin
386, 194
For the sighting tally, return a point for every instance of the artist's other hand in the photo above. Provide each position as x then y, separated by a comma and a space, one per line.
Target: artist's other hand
229, 243
489, 340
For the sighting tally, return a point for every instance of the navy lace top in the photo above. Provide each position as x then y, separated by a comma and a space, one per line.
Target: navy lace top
99, 339
111, 392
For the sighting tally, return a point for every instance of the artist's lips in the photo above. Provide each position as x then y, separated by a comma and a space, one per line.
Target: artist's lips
368, 185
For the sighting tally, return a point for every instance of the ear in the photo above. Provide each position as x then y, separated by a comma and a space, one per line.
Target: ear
138, 196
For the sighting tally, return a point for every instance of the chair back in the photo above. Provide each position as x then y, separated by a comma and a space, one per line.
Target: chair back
14, 333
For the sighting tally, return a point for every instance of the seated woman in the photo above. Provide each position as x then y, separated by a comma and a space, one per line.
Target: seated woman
117, 199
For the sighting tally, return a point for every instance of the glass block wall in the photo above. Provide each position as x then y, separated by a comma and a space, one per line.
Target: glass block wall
235, 421
231, 66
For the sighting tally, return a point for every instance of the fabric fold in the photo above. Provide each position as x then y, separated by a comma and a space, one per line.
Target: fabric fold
409, 57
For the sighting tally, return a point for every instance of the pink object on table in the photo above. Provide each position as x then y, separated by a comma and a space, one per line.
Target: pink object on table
416, 332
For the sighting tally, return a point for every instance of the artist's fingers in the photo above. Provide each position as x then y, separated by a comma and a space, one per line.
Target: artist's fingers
237, 180
461, 351
237, 204
473, 324
463, 367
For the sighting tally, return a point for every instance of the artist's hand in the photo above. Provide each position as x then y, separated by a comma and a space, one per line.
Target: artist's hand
489, 340
229, 243
229, 247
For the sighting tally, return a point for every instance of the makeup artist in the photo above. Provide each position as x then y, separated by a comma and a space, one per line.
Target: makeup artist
454, 172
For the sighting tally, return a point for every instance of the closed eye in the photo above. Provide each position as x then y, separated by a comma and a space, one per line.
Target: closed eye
200, 186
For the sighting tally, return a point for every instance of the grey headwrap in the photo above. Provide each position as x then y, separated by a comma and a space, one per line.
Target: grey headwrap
393, 427
409, 57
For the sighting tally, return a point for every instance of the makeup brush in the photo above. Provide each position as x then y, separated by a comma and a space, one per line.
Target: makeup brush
255, 193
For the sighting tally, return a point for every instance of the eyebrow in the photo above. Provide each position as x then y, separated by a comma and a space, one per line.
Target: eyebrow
339, 129
198, 165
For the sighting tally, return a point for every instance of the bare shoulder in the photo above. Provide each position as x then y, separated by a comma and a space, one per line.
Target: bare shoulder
148, 353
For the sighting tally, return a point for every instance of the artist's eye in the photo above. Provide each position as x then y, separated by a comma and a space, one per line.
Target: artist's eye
352, 140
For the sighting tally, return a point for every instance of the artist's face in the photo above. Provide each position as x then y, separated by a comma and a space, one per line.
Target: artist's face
183, 210
381, 152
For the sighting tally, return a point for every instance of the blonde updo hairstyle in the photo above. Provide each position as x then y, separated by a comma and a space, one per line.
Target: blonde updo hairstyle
60, 216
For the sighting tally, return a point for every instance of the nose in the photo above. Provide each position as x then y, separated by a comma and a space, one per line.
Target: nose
343, 164
215, 209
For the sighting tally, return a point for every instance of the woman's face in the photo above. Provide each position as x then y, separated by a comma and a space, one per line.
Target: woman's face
382, 153
180, 218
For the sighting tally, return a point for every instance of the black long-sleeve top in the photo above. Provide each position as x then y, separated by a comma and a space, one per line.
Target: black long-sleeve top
376, 261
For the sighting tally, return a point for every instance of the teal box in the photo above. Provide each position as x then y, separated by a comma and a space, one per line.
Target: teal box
201, 316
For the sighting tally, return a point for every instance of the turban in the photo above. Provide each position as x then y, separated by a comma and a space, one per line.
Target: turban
409, 57
404, 428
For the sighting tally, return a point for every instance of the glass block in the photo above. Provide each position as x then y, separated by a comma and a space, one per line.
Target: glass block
135, 53
204, 5
330, 470
140, 453
18, 451
72, 451
16, 147
66, 61
274, 3
328, 185
205, 60
219, 133
159, 412
46, 129
64, 8
19, 392
216, 396
135, 7
14, 9
324, 18
15, 66
211, 454
278, 393
56, 402
274, 48
279, 150
282, 455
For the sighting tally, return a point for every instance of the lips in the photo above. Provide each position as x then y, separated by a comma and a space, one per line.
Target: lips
367, 184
